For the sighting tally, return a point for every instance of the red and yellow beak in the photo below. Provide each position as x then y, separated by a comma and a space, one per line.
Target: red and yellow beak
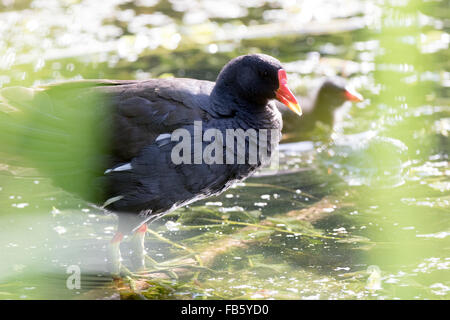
352, 95
285, 95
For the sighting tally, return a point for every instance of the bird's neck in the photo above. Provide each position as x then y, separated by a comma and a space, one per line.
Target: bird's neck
321, 108
226, 103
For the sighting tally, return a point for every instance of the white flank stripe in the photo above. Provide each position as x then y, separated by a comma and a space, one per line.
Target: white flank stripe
121, 168
163, 136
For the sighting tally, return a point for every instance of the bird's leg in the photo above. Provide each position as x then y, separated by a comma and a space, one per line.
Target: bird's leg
138, 247
114, 257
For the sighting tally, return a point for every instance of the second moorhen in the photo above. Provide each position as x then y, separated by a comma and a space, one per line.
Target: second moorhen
110, 142
318, 110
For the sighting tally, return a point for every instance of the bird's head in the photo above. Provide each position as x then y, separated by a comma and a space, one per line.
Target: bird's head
256, 79
334, 92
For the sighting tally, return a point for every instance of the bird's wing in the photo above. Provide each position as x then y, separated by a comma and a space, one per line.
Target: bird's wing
144, 110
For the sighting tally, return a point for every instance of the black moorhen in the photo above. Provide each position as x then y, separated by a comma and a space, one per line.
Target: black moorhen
110, 142
319, 108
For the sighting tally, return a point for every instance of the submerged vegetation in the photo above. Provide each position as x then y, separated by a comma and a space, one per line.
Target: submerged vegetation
363, 215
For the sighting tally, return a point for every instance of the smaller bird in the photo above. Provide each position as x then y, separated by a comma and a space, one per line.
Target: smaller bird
318, 110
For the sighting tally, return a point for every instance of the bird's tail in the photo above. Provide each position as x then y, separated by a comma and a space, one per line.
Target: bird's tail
56, 132
27, 127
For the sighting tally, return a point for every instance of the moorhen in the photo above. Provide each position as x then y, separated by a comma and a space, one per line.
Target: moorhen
111, 142
318, 109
